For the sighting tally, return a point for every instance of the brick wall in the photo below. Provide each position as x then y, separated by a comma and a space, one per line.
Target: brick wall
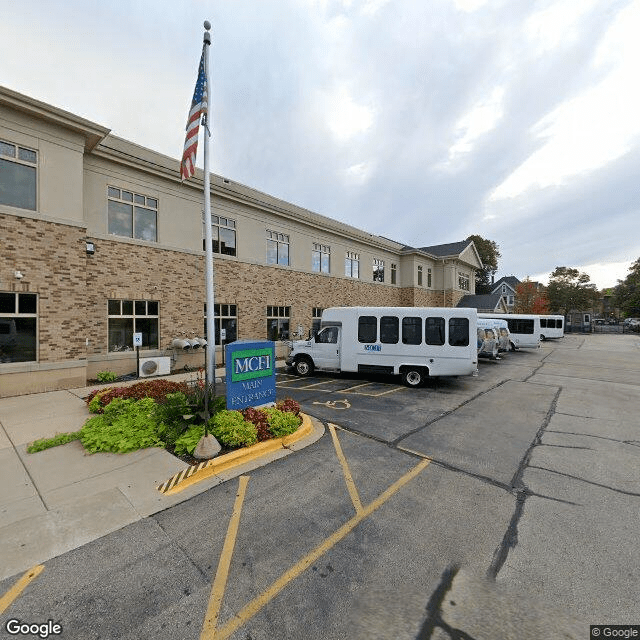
52, 258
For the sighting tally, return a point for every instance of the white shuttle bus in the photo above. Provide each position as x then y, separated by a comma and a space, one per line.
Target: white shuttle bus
413, 342
524, 329
551, 327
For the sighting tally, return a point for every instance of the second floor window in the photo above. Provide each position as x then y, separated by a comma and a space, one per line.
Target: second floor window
429, 278
419, 276
378, 270
394, 270
132, 215
18, 176
463, 281
277, 248
320, 258
352, 265
223, 236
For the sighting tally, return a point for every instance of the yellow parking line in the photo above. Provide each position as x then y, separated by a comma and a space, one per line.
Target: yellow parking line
357, 386
382, 393
351, 487
19, 587
316, 384
250, 610
220, 581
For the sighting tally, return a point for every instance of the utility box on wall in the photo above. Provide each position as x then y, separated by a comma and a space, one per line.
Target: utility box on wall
251, 374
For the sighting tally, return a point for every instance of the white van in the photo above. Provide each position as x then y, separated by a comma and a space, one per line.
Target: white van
413, 342
524, 329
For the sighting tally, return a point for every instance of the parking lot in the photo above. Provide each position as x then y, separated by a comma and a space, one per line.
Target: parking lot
513, 494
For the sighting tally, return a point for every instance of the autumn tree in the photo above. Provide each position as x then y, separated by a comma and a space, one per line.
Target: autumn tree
489, 253
569, 289
627, 293
529, 299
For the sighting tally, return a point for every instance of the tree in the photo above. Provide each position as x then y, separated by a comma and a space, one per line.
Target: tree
627, 293
569, 289
489, 253
529, 299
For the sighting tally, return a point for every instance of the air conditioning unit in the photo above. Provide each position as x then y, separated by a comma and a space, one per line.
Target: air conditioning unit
158, 366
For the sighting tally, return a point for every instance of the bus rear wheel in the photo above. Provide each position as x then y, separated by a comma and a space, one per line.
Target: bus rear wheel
413, 377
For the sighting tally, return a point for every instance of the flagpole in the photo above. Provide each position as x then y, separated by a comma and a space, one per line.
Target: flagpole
210, 376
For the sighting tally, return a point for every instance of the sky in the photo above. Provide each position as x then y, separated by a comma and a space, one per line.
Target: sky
424, 121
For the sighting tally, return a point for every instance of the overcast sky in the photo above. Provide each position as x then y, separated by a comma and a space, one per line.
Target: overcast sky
420, 120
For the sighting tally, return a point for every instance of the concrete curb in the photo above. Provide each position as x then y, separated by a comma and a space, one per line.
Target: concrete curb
203, 470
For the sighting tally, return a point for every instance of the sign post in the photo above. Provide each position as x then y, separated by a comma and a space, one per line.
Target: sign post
137, 343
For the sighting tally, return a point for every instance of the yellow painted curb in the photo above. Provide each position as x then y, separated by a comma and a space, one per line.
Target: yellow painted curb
208, 468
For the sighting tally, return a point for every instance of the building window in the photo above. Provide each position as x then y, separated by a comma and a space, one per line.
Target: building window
315, 320
127, 317
394, 270
18, 176
225, 318
429, 278
463, 281
352, 265
277, 248
510, 300
132, 215
223, 236
320, 258
419, 276
278, 323
18, 327
378, 270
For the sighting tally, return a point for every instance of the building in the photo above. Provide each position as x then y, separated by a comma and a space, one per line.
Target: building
485, 303
100, 239
506, 287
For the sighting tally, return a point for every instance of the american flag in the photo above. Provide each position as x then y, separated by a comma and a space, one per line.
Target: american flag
198, 109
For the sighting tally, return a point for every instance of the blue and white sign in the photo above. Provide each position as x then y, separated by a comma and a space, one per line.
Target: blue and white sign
251, 374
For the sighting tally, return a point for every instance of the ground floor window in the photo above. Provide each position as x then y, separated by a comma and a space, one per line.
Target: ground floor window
18, 327
225, 320
278, 323
127, 317
315, 320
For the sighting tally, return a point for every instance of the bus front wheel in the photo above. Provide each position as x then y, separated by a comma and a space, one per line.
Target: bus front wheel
303, 366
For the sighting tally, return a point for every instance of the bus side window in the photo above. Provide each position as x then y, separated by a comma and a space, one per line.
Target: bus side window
367, 329
459, 332
389, 329
434, 331
411, 330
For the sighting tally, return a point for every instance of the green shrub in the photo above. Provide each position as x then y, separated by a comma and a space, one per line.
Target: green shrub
47, 443
232, 430
282, 423
125, 425
106, 376
187, 442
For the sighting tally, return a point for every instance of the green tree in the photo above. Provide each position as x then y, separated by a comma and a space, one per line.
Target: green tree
489, 253
569, 289
627, 293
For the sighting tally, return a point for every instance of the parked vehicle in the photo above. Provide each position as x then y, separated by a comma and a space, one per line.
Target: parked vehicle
552, 327
501, 329
524, 329
413, 342
487, 338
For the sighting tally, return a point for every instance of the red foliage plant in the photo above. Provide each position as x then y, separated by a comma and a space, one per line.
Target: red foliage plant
259, 419
156, 389
290, 405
